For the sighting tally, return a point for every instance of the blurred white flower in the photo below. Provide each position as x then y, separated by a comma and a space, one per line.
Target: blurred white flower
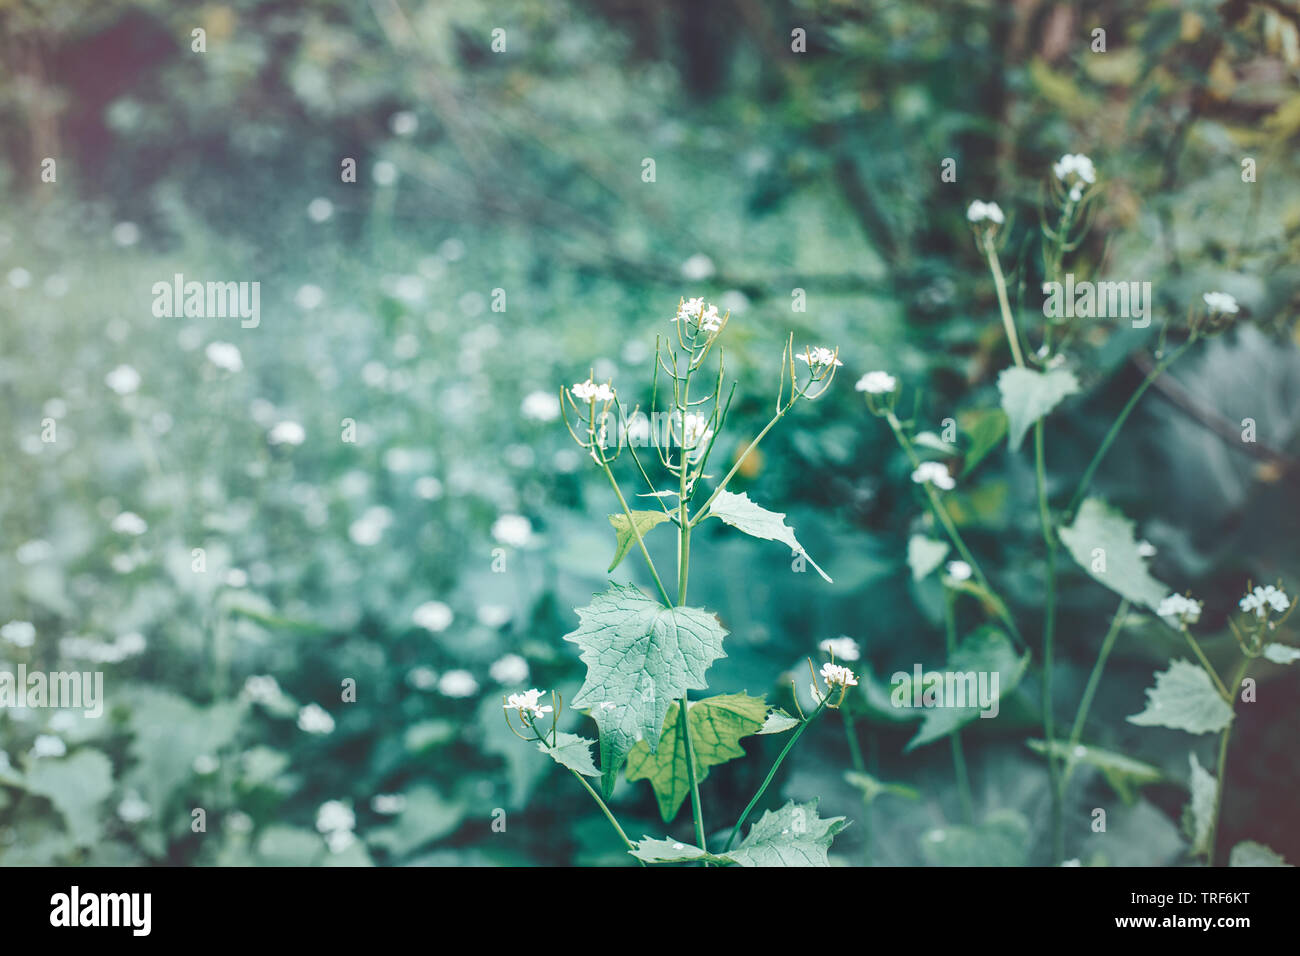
457, 683
314, 719
877, 383
309, 296
590, 391
494, 615
1177, 609
224, 356
936, 473
428, 488
19, 633
1146, 549
845, 648
262, 689
19, 278
403, 123
124, 380
1261, 600
1075, 168
1221, 302
286, 433
818, 357
959, 570
433, 616
979, 211
541, 406
320, 209
335, 815
510, 669
698, 267
205, 764
126, 234
340, 840
513, 530
836, 675
527, 703
128, 522
385, 173
132, 809
367, 530
388, 803
47, 745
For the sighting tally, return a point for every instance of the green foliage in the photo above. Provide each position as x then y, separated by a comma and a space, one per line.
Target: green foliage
739, 512
1184, 699
644, 520
1028, 395
795, 835
1103, 542
1124, 774
985, 652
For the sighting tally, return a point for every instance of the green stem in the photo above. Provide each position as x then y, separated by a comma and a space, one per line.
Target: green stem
1221, 782
1049, 634
1205, 663
1090, 690
637, 531
958, 755
722, 485
1106, 442
1008, 323
855, 757
683, 572
772, 773
608, 815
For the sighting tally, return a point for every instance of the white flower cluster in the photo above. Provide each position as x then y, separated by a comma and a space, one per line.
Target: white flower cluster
336, 821
695, 310
959, 570
936, 473
979, 211
1221, 302
819, 357
315, 719
1076, 171
1179, 610
836, 675
845, 648
527, 704
877, 383
590, 391
1261, 600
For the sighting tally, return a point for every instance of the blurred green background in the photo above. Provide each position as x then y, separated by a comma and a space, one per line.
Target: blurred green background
521, 171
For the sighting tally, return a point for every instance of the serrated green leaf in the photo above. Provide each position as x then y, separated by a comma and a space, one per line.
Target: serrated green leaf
645, 520
742, 514
778, 722
1198, 815
1001, 840
671, 851
640, 657
573, 752
1281, 653
1184, 699
1124, 774
1028, 395
1119, 565
793, 836
987, 651
76, 785
717, 724
872, 788
1250, 853
924, 555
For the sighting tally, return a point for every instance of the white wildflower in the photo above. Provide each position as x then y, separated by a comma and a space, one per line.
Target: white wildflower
541, 406
335, 815
47, 745
837, 676
979, 211
936, 473
19, 633
132, 809
1075, 169
1221, 302
513, 530
262, 689
314, 719
818, 357
225, 356
510, 669
877, 383
286, 433
128, 522
457, 684
1261, 600
590, 391
433, 616
845, 648
528, 704
1177, 609
959, 570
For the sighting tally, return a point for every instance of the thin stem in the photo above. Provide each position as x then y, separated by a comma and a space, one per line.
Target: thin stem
608, 815
637, 531
958, 756
1049, 634
1094, 679
1222, 780
1106, 442
704, 509
683, 571
1008, 323
855, 757
1205, 662
789, 744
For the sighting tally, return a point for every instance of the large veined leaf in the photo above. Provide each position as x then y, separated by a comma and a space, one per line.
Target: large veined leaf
1001, 840
1250, 853
1102, 541
717, 724
1028, 395
986, 652
644, 521
1124, 774
793, 836
1184, 699
640, 657
573, 752
739, 512
1198, 815
76, 785
924, 555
